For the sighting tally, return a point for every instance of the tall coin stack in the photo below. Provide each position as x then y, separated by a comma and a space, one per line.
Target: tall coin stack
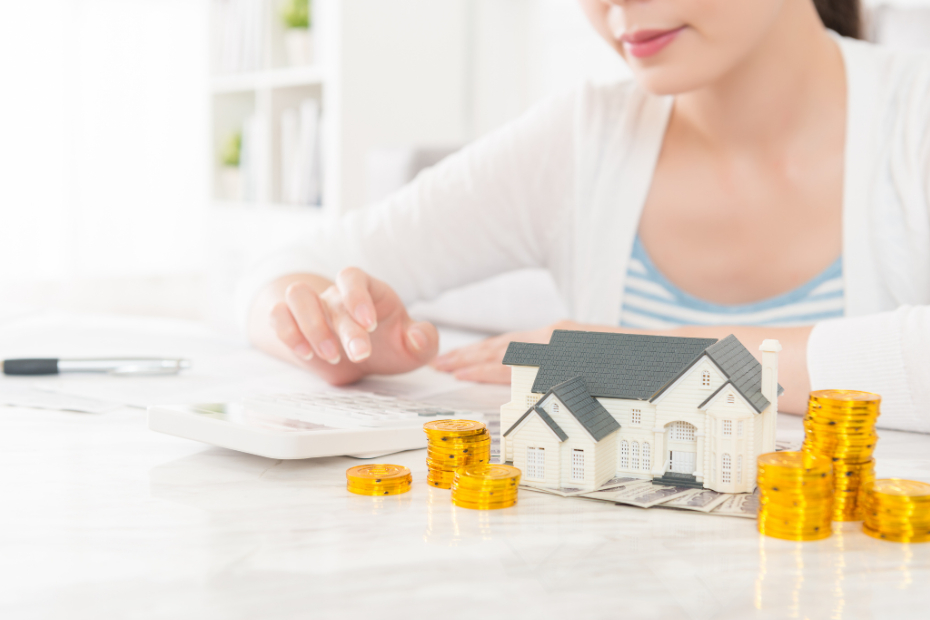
795, 495
897, 510
378, 479
840, 424
454, 444
486, 487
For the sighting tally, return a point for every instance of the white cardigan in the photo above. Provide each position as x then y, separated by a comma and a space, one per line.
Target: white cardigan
563, 188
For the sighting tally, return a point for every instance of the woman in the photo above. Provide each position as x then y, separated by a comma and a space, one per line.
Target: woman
761, 176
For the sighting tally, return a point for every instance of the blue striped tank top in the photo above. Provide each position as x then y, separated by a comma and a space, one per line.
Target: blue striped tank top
650, 301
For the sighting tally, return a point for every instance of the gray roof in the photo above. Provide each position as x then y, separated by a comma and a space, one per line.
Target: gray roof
562, 435
589, 413
742, 369
612, 365
634, 367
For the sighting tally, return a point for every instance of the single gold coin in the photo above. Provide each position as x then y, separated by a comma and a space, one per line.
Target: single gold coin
377, 472
490, 472
453, 427
898, 488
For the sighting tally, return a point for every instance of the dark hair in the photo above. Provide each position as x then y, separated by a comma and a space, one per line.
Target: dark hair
842, 16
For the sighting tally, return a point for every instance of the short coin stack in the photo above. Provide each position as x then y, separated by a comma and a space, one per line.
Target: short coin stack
378, 479
897, 510
485, 487
795, 495
454, 444
840, 424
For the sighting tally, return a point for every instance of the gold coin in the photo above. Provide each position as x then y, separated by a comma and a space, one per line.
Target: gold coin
378, 490
455, 440
459, 428
377, 472
491, 472
483, 505
845, 396
896, 537
893, 488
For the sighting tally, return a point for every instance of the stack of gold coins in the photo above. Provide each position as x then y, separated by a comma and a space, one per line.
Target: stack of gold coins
378, 479
840, 424
454, 444
795, 495
486, 487
897, 510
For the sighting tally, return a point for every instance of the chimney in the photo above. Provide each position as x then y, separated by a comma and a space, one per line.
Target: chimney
770, 349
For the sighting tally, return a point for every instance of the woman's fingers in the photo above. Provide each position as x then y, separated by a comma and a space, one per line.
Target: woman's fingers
285, 327
311, 317
355, 288
487, 350
489, 372
355, 340
422, 340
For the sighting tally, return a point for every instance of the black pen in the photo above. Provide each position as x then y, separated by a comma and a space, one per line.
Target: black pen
106, 365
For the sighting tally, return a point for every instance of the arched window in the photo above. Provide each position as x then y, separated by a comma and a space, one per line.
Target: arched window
725, 469
555, 407
730, 399
647, 457
624, 454
739, 468
705, 378
681, 431
634, 456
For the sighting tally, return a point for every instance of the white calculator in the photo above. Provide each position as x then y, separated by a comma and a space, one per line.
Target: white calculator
300, 426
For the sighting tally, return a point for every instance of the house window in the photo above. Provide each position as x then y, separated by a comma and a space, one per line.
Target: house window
624, 454
531, 400
730, 399
577, 464
637, 416
739, 468
705, 378
536, 463
634, 455
728, 427
681, 431
713, 466
555, 408
647, 457
725, 469
739, 428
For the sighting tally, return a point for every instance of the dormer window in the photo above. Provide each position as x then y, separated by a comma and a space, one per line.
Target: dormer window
705, 378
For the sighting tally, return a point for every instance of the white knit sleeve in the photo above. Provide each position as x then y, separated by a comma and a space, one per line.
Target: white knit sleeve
495, 206
887, 353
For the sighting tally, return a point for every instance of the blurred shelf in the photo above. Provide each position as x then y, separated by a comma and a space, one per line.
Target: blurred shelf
273, 78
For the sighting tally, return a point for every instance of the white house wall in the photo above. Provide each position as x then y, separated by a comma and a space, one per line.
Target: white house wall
718, 444
578, 438
534, 432
521, 386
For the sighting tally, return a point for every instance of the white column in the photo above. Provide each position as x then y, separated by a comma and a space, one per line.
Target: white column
699, 470
658, 452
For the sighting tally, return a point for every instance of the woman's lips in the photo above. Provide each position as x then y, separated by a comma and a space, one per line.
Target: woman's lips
644, 43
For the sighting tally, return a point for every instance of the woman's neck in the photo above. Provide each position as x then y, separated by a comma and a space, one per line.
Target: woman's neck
780, 91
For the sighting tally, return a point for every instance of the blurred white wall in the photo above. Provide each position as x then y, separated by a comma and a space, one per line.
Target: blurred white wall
104, 155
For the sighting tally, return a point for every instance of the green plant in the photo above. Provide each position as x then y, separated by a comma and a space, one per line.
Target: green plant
297, 14
231, 152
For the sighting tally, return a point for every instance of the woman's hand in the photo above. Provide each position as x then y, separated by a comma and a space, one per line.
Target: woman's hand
481, 361
340, 330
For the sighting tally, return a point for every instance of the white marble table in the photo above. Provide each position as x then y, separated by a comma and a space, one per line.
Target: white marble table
103, 519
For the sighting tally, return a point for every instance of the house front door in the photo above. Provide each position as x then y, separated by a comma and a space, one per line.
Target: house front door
682, 462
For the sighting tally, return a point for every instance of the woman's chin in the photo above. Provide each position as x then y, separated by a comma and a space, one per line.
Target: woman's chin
671, 78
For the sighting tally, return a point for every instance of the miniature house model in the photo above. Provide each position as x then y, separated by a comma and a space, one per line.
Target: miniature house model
590, 406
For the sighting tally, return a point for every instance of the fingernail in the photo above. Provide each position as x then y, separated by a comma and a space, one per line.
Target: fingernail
366, 317
358, 349
304, 351
329, 351
418, 339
